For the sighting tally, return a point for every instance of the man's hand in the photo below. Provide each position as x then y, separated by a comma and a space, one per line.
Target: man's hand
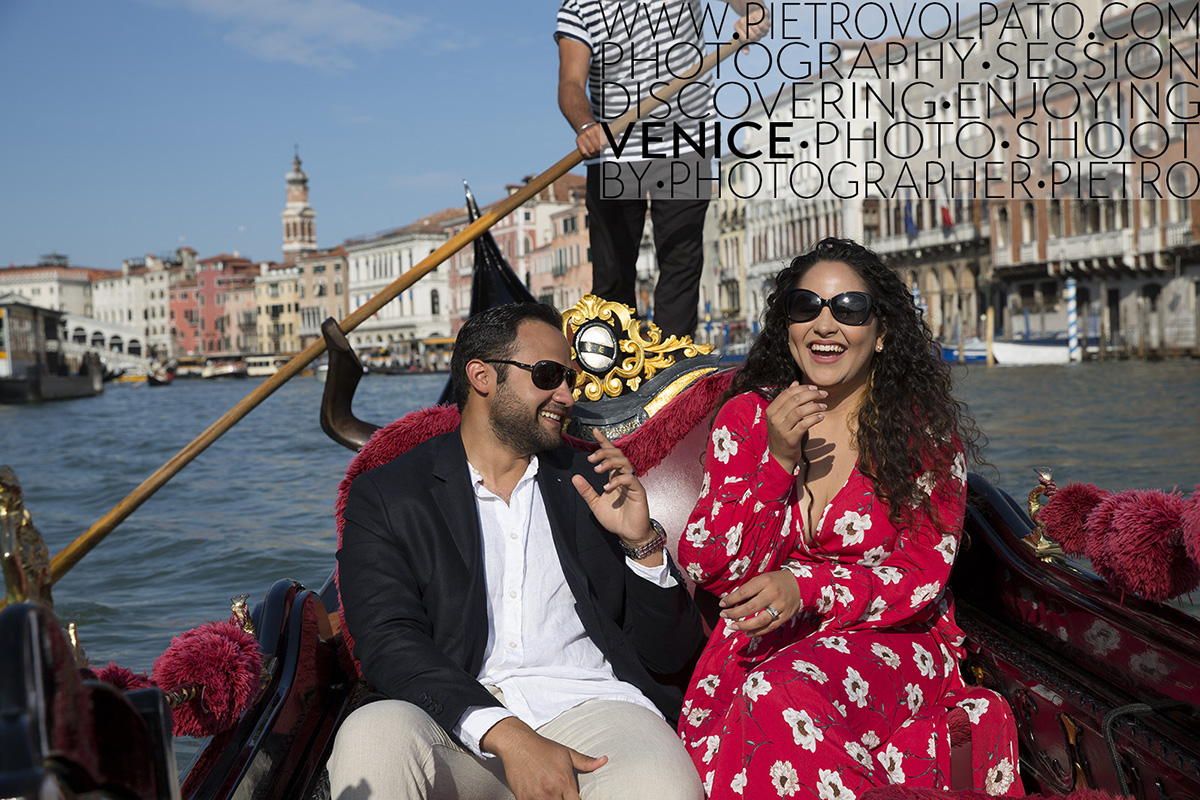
789, 416
747, 605
535, 767
622, 508
755, 22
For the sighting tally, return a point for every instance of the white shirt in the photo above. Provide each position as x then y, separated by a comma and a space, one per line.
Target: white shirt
538, 653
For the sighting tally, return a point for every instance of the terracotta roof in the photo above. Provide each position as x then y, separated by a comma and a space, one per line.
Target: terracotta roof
226, 258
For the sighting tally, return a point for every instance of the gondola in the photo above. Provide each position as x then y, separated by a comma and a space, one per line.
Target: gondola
1104, 685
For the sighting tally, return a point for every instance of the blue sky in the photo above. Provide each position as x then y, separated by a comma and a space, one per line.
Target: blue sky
136, 126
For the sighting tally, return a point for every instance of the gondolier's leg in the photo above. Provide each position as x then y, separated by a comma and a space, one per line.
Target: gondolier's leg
679, 244
392, 750
615, 231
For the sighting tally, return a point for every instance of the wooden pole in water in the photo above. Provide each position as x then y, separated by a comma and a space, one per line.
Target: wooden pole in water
76, 550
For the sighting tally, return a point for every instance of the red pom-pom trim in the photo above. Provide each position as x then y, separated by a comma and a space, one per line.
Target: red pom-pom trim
1064, 515
224, 662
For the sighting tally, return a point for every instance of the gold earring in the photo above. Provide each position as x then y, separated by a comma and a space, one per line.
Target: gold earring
879, 347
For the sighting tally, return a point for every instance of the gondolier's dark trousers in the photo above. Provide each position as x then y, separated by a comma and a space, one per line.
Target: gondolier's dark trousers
615, 227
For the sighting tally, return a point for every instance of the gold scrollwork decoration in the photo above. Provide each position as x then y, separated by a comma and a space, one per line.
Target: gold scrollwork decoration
645, 354
25, 559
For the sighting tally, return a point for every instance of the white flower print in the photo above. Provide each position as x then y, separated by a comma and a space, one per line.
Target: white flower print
697, 716
975, 708
886, 654
758, 507
870, 740
756, 686
830, 786
695, 533
856, 687
709, 684
733, 539
840, 572
708, 779
706, 485
834, 643
738, 784
784, 778
916, 698
874, 613
999, 778
959, 470
924, 661
947, 661
738, 567
811, 670
841, 707
842, 592
892, 760
695, 572
859, 753
925, 483
851, 527
724, 445
1102, 637
825, 601
923, 594
710, 748
948, 548
874, 557
804, 732
933, 746
716, 507
888, 575
796, 568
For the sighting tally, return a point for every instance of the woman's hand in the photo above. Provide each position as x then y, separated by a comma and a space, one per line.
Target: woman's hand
789, 416
747, 605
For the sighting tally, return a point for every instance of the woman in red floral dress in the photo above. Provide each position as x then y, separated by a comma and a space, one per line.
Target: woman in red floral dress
828, 522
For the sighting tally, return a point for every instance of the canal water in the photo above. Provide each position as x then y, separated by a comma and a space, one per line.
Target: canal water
258, 504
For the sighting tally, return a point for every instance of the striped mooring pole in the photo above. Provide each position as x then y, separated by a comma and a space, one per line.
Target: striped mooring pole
1073, 354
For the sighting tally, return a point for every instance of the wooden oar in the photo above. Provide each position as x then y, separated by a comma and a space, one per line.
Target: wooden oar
73, 552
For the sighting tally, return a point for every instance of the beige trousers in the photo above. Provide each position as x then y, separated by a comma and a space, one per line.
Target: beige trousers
392, 750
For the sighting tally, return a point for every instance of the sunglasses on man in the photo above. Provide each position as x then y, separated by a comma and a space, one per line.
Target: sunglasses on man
848, 308
547, 375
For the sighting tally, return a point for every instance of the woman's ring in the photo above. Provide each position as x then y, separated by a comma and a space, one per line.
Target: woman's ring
771, 610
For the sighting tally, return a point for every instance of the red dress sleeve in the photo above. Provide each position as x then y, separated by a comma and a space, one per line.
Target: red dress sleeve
864, 572
742, 524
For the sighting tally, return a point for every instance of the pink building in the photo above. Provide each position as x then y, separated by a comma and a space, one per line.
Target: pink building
198, 316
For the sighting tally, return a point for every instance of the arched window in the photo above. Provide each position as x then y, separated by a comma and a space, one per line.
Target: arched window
435, 304
1028, 223
1003, 233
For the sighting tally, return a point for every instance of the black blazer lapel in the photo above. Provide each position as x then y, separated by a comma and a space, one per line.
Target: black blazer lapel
455, 499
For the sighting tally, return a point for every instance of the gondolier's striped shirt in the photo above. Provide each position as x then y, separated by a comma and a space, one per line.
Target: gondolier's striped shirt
636, 46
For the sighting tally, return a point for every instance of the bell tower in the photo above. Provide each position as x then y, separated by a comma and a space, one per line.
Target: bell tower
299, 223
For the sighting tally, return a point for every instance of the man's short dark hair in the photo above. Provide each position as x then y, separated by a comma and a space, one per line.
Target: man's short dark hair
493, 334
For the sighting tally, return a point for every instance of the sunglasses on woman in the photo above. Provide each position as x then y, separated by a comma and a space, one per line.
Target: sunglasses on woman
848, 308
547, 375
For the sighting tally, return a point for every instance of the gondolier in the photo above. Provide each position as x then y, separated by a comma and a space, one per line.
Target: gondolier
611, 53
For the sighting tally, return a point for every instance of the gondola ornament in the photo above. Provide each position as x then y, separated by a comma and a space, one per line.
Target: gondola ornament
1043, 546
26, 561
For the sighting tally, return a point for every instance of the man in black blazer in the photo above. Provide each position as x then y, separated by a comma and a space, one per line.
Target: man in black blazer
511, 602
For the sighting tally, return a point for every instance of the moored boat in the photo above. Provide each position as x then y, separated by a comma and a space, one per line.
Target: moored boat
35, 362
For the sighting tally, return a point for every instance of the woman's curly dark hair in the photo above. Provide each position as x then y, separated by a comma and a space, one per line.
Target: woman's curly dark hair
909, 422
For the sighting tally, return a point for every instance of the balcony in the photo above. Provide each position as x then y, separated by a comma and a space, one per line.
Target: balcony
1149, 239
932, 237
1029, 253
1179, 233
1002, 256
1106, 244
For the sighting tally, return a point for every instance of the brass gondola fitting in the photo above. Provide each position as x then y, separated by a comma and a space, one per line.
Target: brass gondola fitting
616, 356
241, 614
1043, 546
628, 370
81, 658
25, 559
